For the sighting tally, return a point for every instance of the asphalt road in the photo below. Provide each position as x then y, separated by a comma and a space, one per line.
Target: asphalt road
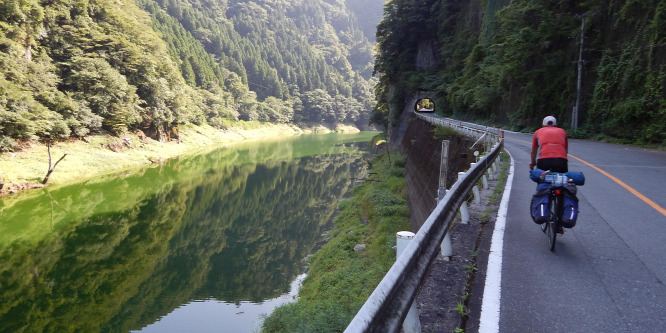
607, 274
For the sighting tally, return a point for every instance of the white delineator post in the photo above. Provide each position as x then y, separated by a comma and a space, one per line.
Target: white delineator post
412, 324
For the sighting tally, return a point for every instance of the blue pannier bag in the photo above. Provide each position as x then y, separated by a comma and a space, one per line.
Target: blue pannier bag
576, 177
569, 209
540, 205
543, 186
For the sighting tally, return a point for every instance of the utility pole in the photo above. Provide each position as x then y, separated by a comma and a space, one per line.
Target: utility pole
576, 109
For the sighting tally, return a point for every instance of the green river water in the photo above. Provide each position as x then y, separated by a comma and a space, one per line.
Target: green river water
207, 243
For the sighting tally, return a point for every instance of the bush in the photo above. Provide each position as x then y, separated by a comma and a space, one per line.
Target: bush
443, 133
7, 144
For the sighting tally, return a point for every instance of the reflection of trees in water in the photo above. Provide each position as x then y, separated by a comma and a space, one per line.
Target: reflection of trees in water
236, 233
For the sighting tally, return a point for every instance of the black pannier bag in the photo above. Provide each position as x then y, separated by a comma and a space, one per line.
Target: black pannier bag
569, 209
540, 205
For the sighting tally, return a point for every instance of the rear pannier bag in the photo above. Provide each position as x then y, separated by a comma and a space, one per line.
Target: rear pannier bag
569, 209
540, 206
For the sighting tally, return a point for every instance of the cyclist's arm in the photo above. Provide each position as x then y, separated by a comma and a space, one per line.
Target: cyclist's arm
535, 150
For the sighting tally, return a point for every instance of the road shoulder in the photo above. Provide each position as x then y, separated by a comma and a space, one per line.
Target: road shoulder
450, 298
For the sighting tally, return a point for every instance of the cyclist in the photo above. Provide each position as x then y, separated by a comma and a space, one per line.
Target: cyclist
550, 147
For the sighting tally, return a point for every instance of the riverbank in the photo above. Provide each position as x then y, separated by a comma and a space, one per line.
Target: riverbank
357, 254
97, 155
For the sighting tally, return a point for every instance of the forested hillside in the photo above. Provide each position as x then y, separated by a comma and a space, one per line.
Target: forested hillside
368, 14
73, 67
513, 62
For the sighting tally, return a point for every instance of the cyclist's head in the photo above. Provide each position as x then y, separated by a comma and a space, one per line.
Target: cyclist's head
549, 121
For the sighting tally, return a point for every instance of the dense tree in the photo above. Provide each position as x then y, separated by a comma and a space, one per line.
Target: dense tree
512, 62
72, 68
105, 91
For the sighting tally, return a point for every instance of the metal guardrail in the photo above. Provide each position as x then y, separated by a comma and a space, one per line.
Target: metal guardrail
461, 126
389, 303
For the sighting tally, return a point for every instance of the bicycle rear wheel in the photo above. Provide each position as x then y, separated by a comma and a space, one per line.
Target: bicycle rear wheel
551, 228
551, 232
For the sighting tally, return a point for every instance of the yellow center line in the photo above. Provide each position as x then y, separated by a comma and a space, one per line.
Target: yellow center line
619, 182
627, 187
528, 142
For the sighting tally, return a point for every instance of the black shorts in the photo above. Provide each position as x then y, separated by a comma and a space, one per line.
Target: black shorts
553, 164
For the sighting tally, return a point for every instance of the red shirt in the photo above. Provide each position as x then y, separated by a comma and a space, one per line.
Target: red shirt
551, 141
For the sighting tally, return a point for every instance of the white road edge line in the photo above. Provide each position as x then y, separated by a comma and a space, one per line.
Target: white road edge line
492, 291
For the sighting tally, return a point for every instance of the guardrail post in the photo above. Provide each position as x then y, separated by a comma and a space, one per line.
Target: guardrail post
477, 195
446, 247
402, 240
485, 182
464, 213
475, 190
412, 324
